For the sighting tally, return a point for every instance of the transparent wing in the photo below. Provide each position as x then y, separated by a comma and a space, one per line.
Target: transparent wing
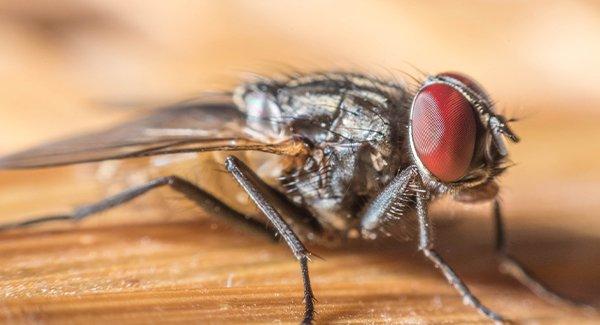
188, 127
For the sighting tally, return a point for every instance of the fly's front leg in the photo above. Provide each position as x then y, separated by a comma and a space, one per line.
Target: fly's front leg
202, 198
390, 202
266, 200
509, 265
427, 247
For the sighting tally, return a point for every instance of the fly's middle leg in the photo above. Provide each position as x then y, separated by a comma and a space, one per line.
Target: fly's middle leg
271, 205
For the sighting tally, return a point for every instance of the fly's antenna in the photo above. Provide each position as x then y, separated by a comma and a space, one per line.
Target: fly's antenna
500, 128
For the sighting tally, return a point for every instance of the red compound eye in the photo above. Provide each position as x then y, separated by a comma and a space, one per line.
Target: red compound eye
443, 131
467, 81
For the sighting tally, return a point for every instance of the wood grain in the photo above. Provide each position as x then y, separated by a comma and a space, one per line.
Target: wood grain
159, 260
133, 266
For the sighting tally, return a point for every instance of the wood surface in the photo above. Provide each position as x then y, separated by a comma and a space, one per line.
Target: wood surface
160, 260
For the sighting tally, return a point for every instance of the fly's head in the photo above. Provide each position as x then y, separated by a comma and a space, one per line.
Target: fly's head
456, 138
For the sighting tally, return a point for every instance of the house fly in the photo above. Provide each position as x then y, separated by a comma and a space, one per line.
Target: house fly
347, 155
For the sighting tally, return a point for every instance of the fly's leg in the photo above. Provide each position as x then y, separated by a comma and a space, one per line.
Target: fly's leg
426, 246
266, 201
300, 218
390, 202
509, 265
191, 191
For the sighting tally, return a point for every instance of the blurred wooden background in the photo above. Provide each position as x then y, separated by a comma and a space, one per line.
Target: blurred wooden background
63, 63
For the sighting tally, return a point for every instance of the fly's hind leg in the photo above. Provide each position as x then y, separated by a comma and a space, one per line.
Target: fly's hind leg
265, 198
509, 265
205, 200
273, 206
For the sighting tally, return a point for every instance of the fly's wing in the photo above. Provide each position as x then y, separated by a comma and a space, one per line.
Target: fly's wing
191, 127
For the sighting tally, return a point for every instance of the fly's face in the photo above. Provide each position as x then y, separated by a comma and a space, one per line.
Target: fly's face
456, 139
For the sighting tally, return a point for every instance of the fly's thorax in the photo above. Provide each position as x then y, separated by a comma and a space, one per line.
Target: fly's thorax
353, 157
355, 126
